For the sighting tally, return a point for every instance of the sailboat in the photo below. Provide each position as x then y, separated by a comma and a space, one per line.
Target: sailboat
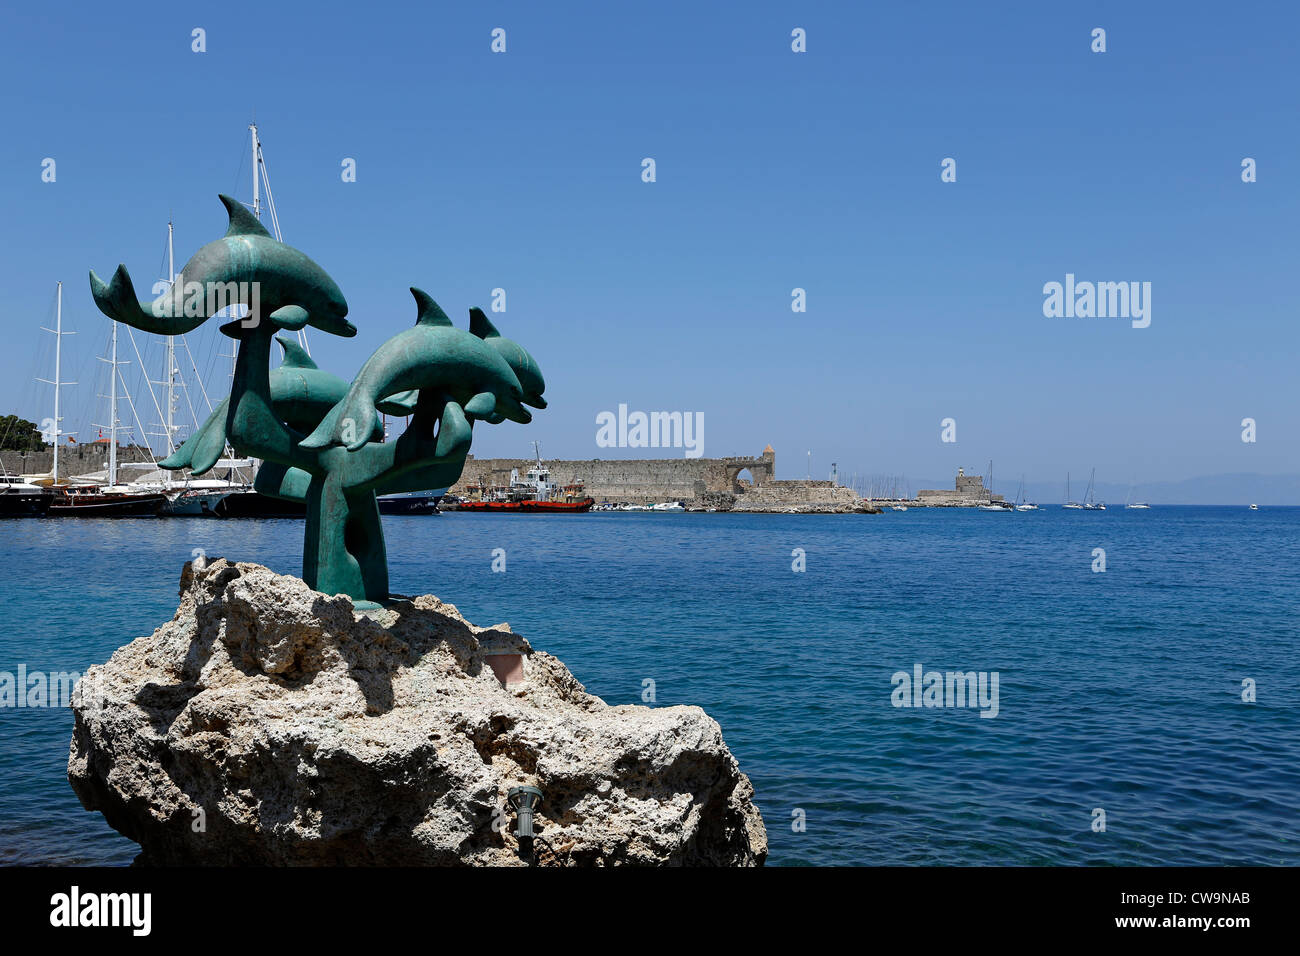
1129, 504
1090, 503
84, 499
1072, 505
1022, 505
992, 505
898, 505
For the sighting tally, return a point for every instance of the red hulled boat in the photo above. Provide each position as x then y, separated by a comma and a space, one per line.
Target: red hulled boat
535, 494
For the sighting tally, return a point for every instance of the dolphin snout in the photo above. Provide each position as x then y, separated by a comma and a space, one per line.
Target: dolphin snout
510, 408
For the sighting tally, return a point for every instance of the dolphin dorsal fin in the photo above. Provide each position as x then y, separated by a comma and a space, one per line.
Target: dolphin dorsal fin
481, 325
430, 313
295, 356
242, 222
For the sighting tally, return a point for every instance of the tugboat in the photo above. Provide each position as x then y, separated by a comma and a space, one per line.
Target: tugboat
535, 494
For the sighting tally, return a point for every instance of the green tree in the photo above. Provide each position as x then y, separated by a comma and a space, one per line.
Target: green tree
18, 434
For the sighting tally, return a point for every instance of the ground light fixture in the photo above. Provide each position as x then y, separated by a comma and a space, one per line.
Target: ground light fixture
525, 801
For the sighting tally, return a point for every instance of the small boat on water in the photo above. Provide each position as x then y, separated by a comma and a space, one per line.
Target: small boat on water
670, 506
1254, 507
1089, 502
1131, 505
1071, 505
1022, 505
994, 505
410, 503
535, 494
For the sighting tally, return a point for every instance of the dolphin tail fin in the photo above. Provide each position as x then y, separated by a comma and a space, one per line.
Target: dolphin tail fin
116, 298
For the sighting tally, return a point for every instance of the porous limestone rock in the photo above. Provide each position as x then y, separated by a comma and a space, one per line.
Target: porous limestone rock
267, 723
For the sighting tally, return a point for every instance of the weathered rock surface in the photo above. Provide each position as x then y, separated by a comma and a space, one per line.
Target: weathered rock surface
267, 723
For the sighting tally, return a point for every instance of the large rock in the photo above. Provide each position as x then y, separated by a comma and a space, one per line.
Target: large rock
267, 723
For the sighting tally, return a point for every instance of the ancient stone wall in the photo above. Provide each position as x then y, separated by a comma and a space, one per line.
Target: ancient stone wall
73, 459
634, 480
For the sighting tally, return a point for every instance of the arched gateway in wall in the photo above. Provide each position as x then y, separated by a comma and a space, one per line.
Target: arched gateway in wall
762, 470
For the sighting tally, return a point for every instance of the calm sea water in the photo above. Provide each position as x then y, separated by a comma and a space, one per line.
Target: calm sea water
1119, 690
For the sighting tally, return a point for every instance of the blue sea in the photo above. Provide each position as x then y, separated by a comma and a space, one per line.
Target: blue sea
1119, 691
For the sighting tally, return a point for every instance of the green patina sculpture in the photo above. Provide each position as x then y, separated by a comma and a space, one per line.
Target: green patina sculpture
320, 438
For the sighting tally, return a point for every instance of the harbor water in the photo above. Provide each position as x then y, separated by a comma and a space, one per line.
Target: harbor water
1119, 690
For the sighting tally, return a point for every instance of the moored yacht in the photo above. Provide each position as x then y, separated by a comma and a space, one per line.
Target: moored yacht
1089, 502
21, 499
1021, 504
97, 501
1072, 505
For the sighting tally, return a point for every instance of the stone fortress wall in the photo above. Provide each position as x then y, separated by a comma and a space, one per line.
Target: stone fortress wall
968, 492
74, 459
700, 482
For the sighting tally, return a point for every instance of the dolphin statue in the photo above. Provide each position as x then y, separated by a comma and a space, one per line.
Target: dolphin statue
445, 364
301, 394
246, 265
517, 357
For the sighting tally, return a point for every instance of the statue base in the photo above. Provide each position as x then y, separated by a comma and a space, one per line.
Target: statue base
269, 724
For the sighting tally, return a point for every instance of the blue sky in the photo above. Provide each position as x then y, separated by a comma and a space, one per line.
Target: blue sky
775, 170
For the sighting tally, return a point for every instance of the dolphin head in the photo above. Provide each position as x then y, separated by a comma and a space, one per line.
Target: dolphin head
304, 293
516, 356
326, 308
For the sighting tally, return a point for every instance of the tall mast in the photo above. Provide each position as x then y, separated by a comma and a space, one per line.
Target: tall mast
257, 159
112, 412
58, 378
262, 178
171, 355
113, 363
257, 211
58, 366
